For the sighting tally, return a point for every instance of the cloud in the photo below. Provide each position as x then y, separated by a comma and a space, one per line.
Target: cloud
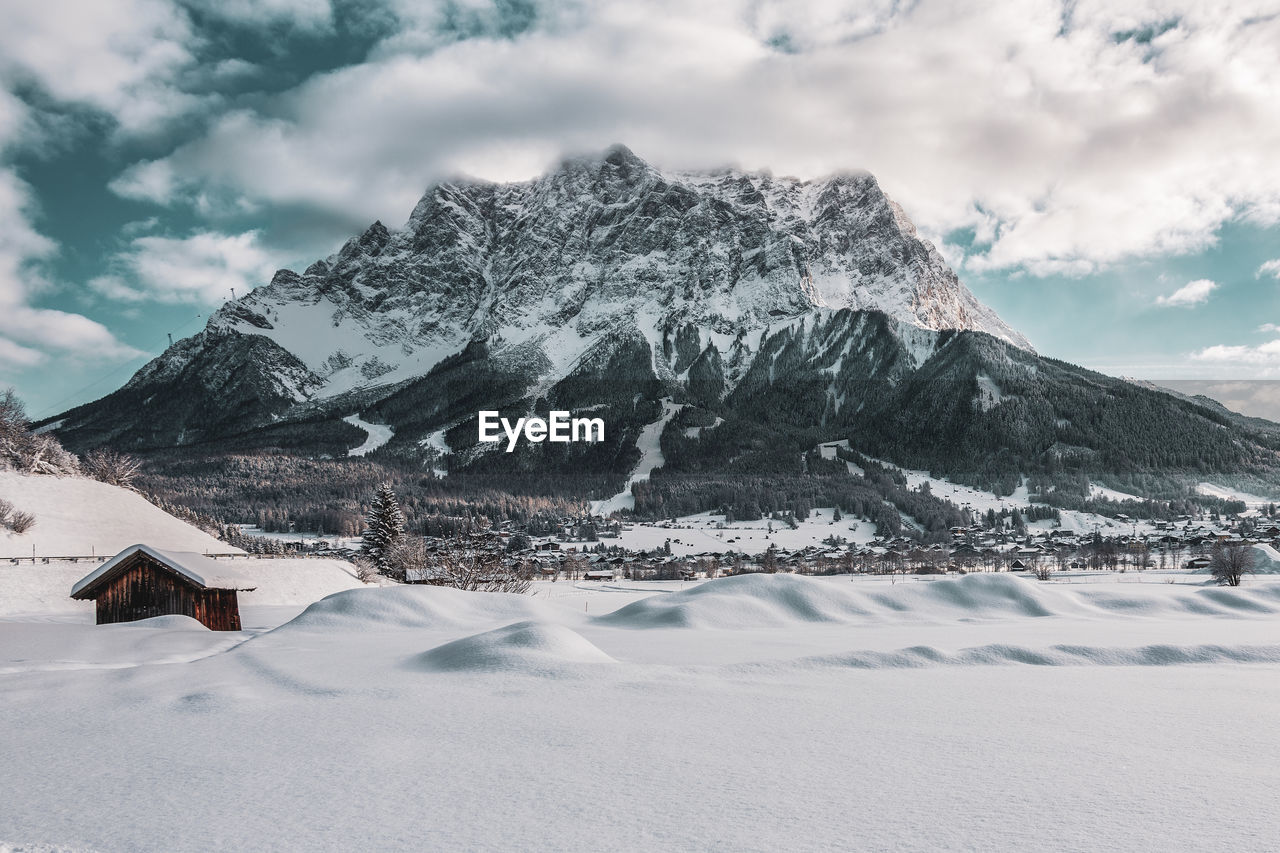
203, 267
29, 334
1069, 142
1267, 354
303, 14
115, 59
1270, 268
1191, 293
118, 58
14, 355
1269, 327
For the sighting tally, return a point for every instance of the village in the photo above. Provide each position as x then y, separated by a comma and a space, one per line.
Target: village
595, 548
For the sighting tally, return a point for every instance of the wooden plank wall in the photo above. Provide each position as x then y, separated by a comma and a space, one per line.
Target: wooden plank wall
146, 589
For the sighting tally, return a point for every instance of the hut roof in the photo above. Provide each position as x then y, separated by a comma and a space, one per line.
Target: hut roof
200, 570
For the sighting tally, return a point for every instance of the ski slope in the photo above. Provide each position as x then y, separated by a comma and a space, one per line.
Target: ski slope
376, 435
649, 445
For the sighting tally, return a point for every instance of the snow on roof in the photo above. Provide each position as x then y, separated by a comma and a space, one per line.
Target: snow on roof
200, 570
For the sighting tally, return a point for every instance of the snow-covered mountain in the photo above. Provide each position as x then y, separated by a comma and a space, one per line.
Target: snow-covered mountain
604, 258
553, 266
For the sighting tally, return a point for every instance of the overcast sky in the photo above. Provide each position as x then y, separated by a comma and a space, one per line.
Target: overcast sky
1104, 174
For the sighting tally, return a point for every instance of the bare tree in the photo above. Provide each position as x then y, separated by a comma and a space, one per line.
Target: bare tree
410, 559
15, 520
111, 466
1229, 563
366, 569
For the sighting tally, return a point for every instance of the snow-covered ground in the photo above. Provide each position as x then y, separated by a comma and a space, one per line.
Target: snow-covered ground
78, 517
376, 435
44, 589
1071, 520
1250, 501
989, 712
436, 442
707, 533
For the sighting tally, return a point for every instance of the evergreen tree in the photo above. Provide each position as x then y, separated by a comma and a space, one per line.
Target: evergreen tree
384, 526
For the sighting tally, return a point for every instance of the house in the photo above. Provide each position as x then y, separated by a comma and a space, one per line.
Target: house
425, 576
600, 574
141, 582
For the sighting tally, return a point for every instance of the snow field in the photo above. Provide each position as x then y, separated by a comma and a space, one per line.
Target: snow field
759, 712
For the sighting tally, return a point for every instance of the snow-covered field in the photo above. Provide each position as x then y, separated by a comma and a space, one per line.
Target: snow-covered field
707, 533
989, 712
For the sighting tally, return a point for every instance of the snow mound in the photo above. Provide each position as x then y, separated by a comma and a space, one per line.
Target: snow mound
531, 647
758, 600
763, 601
743, 601
424, 607
1266, 560
167, 623
974, 596
1060, 655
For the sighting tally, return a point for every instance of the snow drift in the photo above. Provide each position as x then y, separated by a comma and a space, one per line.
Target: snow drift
759, 601
997, 654
424, 607
530, 647
744, 601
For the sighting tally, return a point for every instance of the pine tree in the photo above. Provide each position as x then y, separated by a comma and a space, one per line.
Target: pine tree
384, 526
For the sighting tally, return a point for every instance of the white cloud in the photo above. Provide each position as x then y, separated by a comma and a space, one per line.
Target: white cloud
1191, 293
1270, 268
1269, 327
203, 267
1267, 354
1066, 145
28, 334
117, 57
114, 58
14, 355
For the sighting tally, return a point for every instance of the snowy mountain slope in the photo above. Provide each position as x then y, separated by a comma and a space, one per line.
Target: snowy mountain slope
79, 517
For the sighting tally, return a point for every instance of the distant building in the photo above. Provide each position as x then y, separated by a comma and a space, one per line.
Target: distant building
141, 582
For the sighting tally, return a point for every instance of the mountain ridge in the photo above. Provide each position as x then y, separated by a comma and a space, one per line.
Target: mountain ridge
793, 311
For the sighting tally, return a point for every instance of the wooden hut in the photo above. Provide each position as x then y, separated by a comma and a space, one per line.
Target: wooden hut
141, 582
